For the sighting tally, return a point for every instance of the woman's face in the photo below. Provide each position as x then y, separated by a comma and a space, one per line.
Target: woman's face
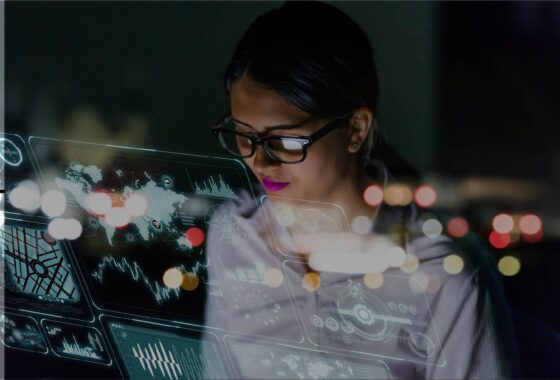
328, 160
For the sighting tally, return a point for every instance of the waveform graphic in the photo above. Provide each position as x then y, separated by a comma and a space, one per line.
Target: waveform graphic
155, 357
213, 189
76, 349
171, 364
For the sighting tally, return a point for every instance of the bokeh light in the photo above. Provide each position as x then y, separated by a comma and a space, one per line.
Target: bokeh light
530, 224
173, 278
136, 204
285, 216
419, 282
458, 227
398, 195
373, 195
53, 203
499, 240
373, 280
411, 264
73, 228
453, 264
99, 203
425, 196
117, 217
503, 223
57, 228
311, 282
195, 236
509, 266
361, 225
432, 228
25, 196
533, 238
396, 256
190, 281
274, 277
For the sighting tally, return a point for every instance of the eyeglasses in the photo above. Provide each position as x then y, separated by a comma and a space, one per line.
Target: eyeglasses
285, 149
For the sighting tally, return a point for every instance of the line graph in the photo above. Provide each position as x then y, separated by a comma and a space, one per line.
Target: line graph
134, 271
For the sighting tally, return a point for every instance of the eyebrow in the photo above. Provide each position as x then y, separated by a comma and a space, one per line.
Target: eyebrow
273, 127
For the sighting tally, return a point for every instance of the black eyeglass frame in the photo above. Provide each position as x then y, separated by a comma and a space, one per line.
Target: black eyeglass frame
306, 141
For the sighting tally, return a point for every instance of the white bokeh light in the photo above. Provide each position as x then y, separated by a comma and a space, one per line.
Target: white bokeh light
73, 229
117, 217
361, 225
57, 228
25, 196
396, 257
432, 228
136, 204
53, 203
99, 203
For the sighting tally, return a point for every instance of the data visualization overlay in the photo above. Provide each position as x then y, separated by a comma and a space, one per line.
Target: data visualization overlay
270, 361
20, 332
151, 354
76, 342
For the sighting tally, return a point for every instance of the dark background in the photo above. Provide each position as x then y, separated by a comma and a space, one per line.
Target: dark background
469, 91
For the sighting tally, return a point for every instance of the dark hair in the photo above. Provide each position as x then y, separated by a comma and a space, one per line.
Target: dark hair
313, 55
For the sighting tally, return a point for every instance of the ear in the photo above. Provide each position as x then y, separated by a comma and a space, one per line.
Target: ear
359, 125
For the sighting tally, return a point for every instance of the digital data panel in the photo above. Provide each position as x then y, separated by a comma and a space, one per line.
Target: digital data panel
159, 352
258, 360
144, 215
22, 333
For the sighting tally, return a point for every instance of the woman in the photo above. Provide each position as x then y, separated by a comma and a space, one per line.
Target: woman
303, 92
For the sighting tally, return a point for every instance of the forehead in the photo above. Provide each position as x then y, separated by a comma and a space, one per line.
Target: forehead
259, 107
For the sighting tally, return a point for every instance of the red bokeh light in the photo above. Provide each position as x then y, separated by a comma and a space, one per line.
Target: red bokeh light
499, 240
425, 196
195, 236
458, 227
533, 238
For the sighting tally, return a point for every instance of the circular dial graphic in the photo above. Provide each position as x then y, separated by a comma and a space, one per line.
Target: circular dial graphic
365, 313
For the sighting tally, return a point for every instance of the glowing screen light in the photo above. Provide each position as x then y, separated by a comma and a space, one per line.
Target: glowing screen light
53, 203
509, 266
425, 196
458, 227
25, 196
503, 223
99, 203
373, 195
499, 240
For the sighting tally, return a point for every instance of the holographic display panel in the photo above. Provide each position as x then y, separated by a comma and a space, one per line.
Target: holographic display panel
145, 254
76, 342
22, 333
257, 360
159, 352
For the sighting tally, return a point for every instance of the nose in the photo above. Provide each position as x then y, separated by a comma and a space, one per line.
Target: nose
262, 162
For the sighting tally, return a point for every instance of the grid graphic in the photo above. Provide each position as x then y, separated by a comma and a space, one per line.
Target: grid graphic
36, 265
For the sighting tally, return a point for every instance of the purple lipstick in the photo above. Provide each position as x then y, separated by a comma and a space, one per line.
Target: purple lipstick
273, 185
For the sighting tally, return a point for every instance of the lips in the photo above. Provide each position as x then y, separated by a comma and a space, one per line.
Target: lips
273, 185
